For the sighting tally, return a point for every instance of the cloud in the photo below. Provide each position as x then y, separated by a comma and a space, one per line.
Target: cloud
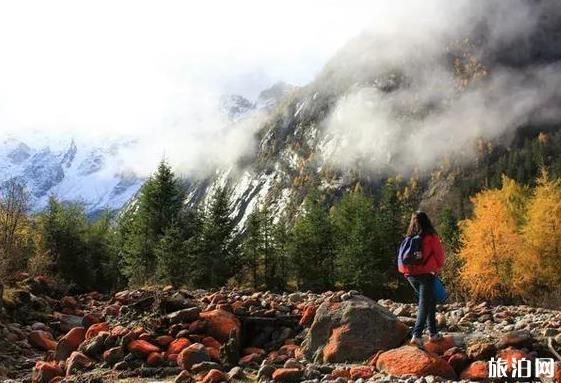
422, 99
153, 70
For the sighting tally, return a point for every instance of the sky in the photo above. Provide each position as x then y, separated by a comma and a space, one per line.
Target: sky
131, 67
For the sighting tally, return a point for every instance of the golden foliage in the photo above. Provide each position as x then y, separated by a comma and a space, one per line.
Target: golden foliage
542, 231
490, 245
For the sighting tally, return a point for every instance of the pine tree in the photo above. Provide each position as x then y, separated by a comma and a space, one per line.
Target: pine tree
252, 247
360, 263
64, 226
215, 250
311, 246
171, 257
159, 207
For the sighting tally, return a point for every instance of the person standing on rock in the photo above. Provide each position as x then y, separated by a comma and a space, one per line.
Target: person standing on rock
421, 275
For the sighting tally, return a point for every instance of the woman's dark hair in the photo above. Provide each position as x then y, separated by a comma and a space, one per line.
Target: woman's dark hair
420, 225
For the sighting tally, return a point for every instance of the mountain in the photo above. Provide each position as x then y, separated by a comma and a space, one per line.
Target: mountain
379, 109
86, 171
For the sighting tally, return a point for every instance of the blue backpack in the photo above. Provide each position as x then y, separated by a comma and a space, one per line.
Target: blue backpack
410, 252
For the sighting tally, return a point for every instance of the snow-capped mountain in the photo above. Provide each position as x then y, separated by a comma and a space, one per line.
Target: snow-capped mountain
87, 171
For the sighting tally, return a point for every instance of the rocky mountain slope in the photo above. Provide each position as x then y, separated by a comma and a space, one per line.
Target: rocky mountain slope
378, 110
71, 170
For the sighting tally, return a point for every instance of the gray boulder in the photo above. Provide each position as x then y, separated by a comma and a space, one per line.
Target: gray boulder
352, 331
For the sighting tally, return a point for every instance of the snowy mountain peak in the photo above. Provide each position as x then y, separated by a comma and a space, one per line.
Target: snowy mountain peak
86, 171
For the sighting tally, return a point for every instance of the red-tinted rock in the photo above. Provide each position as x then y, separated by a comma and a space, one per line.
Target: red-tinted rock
214, 354
164, 340
408, 360
70, 342
42, 340
459, 361
221, 324
251, 359
178, 345
77, 362
289, 350
308, 315
195, 353
352, 330
439, 347
215, 376
96, 328
154, 359
90, 319
142, 347
44, 372
287, 375
119, 330
477, 371
211, 342
113, 355
69, 302
364, 372
511, 356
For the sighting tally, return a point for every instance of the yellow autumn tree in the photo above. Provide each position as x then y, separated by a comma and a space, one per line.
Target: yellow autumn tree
542, 231
491, 246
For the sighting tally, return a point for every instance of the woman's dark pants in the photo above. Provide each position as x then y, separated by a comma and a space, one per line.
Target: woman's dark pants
426, 310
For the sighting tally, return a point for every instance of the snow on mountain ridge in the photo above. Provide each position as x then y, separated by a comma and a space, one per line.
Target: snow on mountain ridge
87, 171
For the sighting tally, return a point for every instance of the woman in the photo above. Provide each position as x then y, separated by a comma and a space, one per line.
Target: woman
421, 276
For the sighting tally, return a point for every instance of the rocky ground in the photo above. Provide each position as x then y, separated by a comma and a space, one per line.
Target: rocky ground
164, 334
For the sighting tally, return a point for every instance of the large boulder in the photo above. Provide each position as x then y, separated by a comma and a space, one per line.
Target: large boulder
352, 330
409, 360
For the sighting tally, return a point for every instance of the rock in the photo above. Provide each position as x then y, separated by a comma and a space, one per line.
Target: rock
477, 371
211, 342
183, 377
408, 360
178, 345
439, 347
96, 328
288, 375
221, 324
94, 346
204, 367
195, 353
265, 371
352, 330
70, 342
76, 362
164, 340
113, 355
44, 372
511, 356
517, 339
236, 373
142, 347
154, 359
123, 365
42, 340
361, 372
481, 351
459, 361
215, 376
308, 315
184, 316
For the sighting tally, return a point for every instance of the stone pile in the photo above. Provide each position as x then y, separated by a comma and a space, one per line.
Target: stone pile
236, 335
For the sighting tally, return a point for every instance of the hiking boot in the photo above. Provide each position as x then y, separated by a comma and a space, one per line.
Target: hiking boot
416, 341
435, 337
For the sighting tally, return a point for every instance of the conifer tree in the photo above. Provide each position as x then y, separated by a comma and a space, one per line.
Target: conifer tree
311, 246
215, 250
158, 208
490, 243
360, 263
542, 233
